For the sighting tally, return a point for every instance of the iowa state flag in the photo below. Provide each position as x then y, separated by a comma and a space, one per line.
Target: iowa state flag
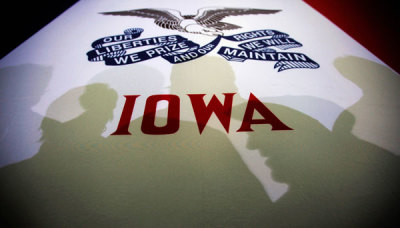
208, 114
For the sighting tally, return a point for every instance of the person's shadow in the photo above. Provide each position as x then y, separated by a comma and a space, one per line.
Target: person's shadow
378, 110
214, 76
335, 179
43, 189
21, 87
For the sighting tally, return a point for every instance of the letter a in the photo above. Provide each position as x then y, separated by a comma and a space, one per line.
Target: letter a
203, 112
269, 117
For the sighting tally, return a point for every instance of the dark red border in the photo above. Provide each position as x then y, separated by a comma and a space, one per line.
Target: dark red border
374, 24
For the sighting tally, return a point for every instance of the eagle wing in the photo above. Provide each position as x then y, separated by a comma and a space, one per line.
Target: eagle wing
212, 17
164, 18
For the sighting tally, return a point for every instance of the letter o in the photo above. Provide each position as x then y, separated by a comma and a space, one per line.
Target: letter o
149, 116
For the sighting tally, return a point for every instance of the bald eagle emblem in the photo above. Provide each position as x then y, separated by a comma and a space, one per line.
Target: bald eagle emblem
206, 22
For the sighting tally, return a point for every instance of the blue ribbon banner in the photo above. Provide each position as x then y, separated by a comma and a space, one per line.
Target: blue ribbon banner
177, 49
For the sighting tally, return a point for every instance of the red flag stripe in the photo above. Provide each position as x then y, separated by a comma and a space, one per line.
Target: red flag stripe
374, 24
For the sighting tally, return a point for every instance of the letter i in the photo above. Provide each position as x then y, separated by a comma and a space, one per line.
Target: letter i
123, 126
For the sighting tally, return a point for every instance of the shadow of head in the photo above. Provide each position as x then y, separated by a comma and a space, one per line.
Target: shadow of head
366, 74
99, 98
25, 83
132, 79
344, 125
90, 112
209, 75
296, 156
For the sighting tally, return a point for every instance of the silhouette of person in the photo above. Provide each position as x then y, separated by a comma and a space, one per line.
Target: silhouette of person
20, 89
335, 179
45, 186
378, 111
131, 80
214, 76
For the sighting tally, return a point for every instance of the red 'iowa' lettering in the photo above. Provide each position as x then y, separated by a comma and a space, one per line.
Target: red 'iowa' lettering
202, 113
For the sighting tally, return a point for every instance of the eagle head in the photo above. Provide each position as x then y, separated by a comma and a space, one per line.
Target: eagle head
188, 16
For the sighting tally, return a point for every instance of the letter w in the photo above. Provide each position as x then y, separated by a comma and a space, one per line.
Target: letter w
121, 60
250, 46
203, 112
